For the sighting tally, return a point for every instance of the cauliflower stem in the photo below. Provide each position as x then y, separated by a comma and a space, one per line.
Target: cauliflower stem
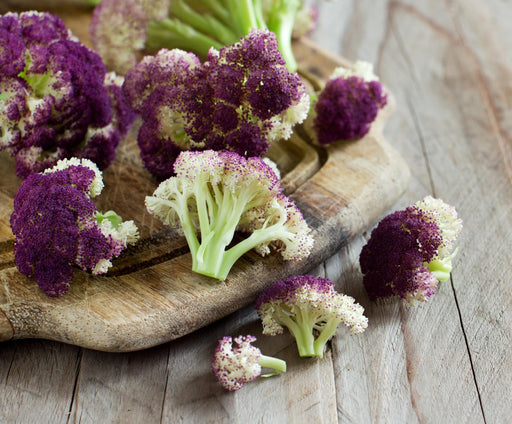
223, 23
302, 326
219, 213
442, 268
277, 365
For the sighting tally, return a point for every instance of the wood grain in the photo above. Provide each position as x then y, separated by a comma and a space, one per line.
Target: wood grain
407, 361
449, 360
151, 296
38, 380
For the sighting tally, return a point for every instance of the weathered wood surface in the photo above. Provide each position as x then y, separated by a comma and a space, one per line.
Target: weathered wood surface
448, 64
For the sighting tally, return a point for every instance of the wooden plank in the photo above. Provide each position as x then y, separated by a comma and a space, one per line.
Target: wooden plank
396, 371
37, 381
372, 370
469, 153
120, 388
478, 174
454, 110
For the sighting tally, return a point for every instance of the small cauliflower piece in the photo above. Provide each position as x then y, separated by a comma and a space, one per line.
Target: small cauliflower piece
235, 366
57, 226
311, 309
411, 251
214, 194
348, 104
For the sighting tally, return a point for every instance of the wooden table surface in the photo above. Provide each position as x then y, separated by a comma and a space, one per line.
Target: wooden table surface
449, 65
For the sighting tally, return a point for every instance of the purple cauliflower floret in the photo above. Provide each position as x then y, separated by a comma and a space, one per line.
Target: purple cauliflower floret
58, 100
347, 105
57, 227
235, 366
241, 99
411, 251
311, 309
216, 193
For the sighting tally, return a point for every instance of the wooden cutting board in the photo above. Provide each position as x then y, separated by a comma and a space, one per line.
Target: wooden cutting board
150, 296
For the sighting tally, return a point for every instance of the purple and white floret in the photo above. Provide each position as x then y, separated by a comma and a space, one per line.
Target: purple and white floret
241, 99
57, 99
311, 309
348, 104
216, 193
411, 251
57, 227
118, 30
234, 366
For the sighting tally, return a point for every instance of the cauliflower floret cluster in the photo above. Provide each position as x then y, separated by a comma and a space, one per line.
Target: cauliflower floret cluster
235, 366
411, 251
216, 193
57, 227
241, 99
311, 309
348, 104
56, 99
